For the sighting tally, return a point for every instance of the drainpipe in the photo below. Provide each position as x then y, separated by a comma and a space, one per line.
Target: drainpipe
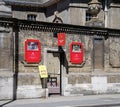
106, 13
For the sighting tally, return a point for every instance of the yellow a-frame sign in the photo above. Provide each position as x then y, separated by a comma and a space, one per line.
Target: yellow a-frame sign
43, 71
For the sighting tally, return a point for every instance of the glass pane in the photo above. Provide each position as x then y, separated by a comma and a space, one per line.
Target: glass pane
32, 46
76, 48
88, 16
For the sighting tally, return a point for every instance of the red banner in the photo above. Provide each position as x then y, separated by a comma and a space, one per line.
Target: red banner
61, 39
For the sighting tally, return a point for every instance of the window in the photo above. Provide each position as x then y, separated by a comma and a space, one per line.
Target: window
88, 16
76, 48
31, 17
32, 45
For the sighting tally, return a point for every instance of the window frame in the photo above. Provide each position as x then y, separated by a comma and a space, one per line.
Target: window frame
31, 17
88, 16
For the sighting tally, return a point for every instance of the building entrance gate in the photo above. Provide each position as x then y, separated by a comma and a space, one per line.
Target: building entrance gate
53, 67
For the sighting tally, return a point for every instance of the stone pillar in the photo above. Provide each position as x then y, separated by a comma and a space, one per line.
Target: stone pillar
94, 8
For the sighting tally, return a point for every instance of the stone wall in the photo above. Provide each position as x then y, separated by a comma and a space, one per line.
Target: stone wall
6, 63
76, 79
81, 79
6, 85
115, 52
113, 22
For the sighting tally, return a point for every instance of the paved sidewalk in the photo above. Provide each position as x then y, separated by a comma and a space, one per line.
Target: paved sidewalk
63, 101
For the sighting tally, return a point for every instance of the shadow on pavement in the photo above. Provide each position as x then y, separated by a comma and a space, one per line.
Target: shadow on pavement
6, 103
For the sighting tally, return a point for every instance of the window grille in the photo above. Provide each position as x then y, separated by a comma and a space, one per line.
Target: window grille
88, 16
31, 17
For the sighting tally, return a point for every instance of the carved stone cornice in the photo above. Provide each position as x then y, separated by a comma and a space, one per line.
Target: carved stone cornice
19, 25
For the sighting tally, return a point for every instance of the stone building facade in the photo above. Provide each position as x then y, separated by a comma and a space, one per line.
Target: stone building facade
98, 73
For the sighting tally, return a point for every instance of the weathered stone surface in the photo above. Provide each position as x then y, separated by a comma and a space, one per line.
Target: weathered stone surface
78, 79
114, 78
30, 91
6, 86
29, 79
115, 52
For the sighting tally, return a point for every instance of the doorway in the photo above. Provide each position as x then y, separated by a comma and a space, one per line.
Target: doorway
98, 53
53, 63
